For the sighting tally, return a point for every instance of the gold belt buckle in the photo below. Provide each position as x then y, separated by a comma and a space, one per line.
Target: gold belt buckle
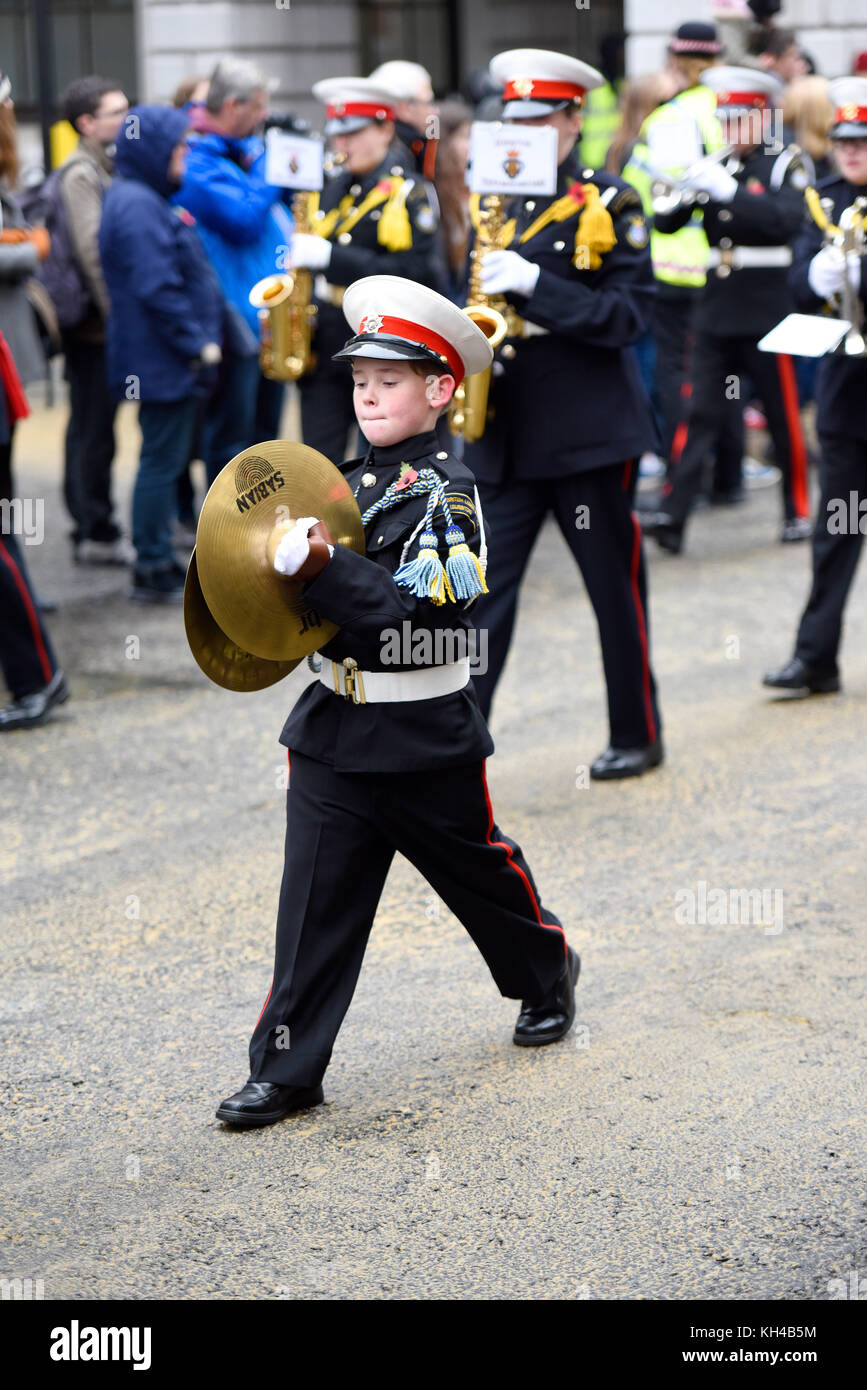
726, 262
351, 676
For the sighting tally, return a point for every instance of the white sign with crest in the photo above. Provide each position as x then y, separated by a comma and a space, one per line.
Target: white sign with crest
516, 159
293, 161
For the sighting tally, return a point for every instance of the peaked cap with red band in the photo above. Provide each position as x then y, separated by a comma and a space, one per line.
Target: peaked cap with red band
353, 102
849, 96
395, 320
536, 81
747, 88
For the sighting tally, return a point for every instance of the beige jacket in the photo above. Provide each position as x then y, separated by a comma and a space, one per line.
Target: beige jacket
87, 175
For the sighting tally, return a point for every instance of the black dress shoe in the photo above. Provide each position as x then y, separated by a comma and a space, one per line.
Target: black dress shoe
667, 532
263, 1103
551, 1019
33, 709
797, 676
626, 762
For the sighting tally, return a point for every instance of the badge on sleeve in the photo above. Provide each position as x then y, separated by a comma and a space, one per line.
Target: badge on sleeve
424, 218
636, 231
798, 179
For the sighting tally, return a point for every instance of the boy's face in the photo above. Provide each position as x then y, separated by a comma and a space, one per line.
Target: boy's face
392, 402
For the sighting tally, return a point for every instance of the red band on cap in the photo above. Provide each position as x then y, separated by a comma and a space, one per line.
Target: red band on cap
851, 112
522, 88
417, 333
755, 99
374, 109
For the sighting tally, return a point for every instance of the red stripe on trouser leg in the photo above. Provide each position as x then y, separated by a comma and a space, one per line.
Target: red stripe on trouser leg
678, 443
642, 630
264, 1006
797, 448
18, 580
627, 475
499, 844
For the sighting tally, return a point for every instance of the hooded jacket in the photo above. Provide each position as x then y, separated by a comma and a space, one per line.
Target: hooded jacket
245, 227
166, 302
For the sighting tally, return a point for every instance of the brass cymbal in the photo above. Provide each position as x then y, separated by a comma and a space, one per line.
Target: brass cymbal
221, 659
259, 494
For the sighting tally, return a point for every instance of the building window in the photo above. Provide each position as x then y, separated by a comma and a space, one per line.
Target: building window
87, 36
422, 31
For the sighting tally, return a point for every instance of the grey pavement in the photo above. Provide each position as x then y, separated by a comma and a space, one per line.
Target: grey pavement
699, 1134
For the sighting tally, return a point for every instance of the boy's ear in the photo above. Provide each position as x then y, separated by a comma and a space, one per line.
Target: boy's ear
439, 389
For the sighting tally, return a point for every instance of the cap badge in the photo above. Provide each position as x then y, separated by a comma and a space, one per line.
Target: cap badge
372, 323
523, 86
849, 112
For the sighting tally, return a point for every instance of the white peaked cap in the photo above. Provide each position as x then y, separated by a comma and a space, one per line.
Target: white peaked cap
536, 81
397, 320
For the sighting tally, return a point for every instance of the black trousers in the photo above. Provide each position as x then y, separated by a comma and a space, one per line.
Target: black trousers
715, 362
328, 415
89, 443
27, 658
674, 335
342, 831
836, 548
611, 559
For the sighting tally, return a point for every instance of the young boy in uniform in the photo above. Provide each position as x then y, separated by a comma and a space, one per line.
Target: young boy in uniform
388, 755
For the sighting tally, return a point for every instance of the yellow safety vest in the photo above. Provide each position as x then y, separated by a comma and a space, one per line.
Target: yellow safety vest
599, 127
679, 258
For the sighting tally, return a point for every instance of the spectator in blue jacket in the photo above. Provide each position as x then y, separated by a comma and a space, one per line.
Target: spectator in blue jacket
163, 330
246, 230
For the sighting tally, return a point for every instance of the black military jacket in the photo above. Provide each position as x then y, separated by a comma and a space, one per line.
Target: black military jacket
359, 593
357, 252
767, 210
573, 400
841, 382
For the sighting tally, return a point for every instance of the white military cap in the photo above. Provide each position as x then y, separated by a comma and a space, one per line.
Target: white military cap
536, 81
404, 80
353, 102
396, 320
750, 88
849, 95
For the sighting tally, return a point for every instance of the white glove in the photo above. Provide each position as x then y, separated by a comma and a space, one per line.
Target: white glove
295, 547
714, 181
506, 270
827, 272
211, 354
309, 252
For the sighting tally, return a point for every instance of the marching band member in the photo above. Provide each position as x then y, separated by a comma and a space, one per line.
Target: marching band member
370, 219
752, 206
390, 758
570, 416
819, 275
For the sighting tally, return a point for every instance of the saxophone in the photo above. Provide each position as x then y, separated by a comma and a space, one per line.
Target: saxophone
468, 411
286, 313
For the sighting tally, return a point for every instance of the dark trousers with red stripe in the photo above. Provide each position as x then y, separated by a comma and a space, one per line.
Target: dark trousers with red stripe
674, 334
27, 658
837, 542
718, 365
342, 832
607, 546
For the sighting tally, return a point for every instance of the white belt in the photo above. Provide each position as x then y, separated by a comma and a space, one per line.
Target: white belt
389, 687
744, 257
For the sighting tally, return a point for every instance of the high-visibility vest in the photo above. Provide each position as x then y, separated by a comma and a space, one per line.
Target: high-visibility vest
679, 258
599, 127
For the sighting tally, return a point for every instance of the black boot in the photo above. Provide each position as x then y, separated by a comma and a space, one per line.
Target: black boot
802, 679
263, 1103
550, 1019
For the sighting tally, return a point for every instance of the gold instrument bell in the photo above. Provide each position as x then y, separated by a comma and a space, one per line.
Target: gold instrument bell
251, 504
